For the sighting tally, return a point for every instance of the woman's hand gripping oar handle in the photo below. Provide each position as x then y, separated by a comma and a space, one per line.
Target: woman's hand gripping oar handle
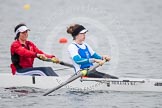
71, 79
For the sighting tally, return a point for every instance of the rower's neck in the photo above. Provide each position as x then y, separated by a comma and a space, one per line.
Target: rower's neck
79, 42
22, 41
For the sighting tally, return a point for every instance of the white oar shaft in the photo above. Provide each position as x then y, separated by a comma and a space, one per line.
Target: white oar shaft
69, 80
63, 84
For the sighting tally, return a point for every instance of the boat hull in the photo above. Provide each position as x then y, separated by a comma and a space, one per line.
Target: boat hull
84, 84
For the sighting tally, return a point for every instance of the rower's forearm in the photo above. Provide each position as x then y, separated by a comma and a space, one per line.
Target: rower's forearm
80, 60
96, 56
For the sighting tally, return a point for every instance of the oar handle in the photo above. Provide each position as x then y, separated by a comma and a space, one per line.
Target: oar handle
98, 65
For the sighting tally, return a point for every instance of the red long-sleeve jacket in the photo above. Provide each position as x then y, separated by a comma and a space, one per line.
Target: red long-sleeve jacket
23, 56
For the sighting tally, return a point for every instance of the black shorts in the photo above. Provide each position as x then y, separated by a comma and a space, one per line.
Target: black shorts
96, 74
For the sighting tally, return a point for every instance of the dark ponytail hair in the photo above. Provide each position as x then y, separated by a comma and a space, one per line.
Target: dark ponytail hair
71, 29
18, 26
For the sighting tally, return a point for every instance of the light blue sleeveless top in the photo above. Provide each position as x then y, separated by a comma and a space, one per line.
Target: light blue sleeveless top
84, 53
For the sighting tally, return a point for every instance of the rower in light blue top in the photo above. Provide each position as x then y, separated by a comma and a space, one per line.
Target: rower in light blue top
82, 55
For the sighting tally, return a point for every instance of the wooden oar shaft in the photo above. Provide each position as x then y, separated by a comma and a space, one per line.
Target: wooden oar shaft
74, 77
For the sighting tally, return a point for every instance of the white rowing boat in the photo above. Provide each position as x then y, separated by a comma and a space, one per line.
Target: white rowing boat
82, 84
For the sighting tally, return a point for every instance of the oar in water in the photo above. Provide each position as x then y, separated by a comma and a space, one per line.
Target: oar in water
74, 77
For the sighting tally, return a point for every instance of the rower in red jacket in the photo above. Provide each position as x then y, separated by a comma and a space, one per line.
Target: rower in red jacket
23, 53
